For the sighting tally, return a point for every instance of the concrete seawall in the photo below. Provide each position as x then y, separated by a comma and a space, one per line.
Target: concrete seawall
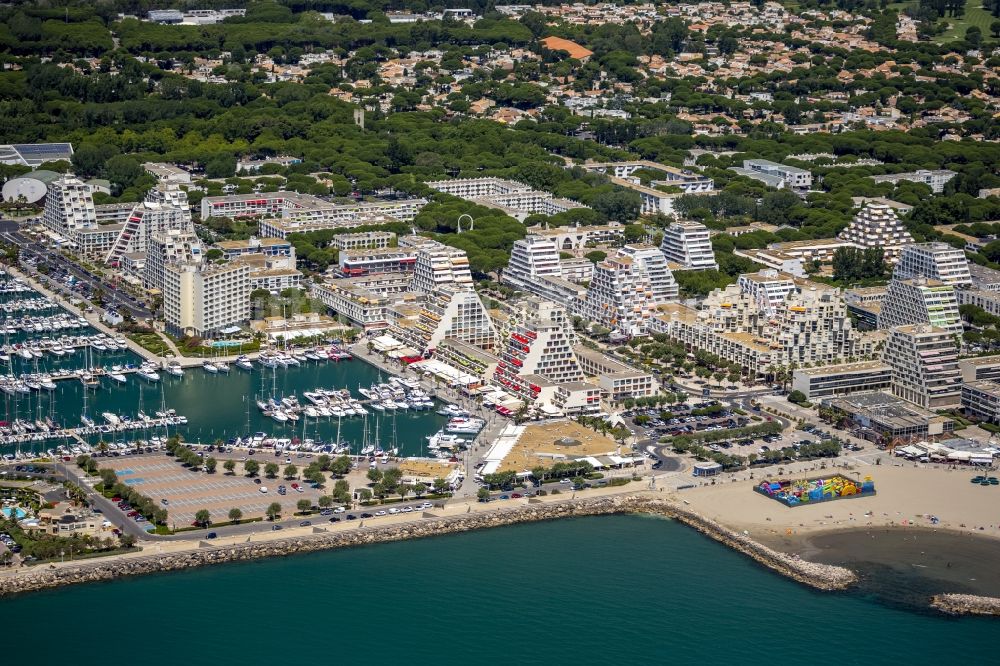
820, 576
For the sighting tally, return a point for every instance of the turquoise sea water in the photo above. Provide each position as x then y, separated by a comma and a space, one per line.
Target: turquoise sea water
602, 590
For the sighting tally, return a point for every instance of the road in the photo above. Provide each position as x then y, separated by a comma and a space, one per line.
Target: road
31, 249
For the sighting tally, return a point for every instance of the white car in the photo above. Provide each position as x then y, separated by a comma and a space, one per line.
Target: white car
340, 509
426, 505
393, 510
407, 509
263, 490
380, 512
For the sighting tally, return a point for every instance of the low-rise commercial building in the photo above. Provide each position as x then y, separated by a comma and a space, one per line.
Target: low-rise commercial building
881, 417
979, 368
981, 400
836, 380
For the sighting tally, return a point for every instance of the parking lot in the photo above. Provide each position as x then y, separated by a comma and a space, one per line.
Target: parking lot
188, 491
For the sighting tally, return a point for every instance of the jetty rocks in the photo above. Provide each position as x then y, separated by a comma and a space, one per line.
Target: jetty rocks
966, 604
820, 576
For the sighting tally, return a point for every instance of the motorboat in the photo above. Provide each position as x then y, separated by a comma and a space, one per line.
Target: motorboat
243, 363
148, 374
175, 369
210, 367
118, 377
222, 366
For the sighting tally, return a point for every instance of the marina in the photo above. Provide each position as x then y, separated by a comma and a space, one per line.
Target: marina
55, 388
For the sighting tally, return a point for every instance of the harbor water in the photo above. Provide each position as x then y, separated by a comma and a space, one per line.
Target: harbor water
217, 406
600, 590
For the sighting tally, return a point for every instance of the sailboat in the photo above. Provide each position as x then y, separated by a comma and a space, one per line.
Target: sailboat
369, 447
84, 418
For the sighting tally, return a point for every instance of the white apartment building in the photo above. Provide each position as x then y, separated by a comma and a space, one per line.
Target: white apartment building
205, 299
811, 326
285, 213
626, 289
687, 243
924, 362
362, 307
541, 345
475, 188
877, 226
165, 208
516, 199
577, 269
920, 301
936, 179
371, 240
653, 263
69, 207
775, 174
617, 380
354, 263
687, 180
937, 261
768, 287
452, 312
168, 247
531, 258
437, 265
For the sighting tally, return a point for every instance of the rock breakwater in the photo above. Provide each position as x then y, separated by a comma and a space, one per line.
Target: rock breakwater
820, 576
966, 604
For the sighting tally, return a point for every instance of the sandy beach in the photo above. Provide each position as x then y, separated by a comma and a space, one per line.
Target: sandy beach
888, 538
906, 496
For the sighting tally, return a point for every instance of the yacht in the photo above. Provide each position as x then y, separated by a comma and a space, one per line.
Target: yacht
174, 368
87, 421
465, 426
47, 383
279, 416
243, 363
118, 376
443, 441
148, 374
222, 366
112, 419
210, 367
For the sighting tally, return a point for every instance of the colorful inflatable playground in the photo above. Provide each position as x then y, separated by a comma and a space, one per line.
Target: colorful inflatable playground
810, 491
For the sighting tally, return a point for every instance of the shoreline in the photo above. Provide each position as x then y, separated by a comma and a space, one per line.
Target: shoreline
819, 576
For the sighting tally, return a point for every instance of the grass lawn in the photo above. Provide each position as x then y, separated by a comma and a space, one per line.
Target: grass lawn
974, 15
151, 342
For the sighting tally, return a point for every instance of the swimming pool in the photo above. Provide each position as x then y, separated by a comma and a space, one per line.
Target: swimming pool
19, 513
